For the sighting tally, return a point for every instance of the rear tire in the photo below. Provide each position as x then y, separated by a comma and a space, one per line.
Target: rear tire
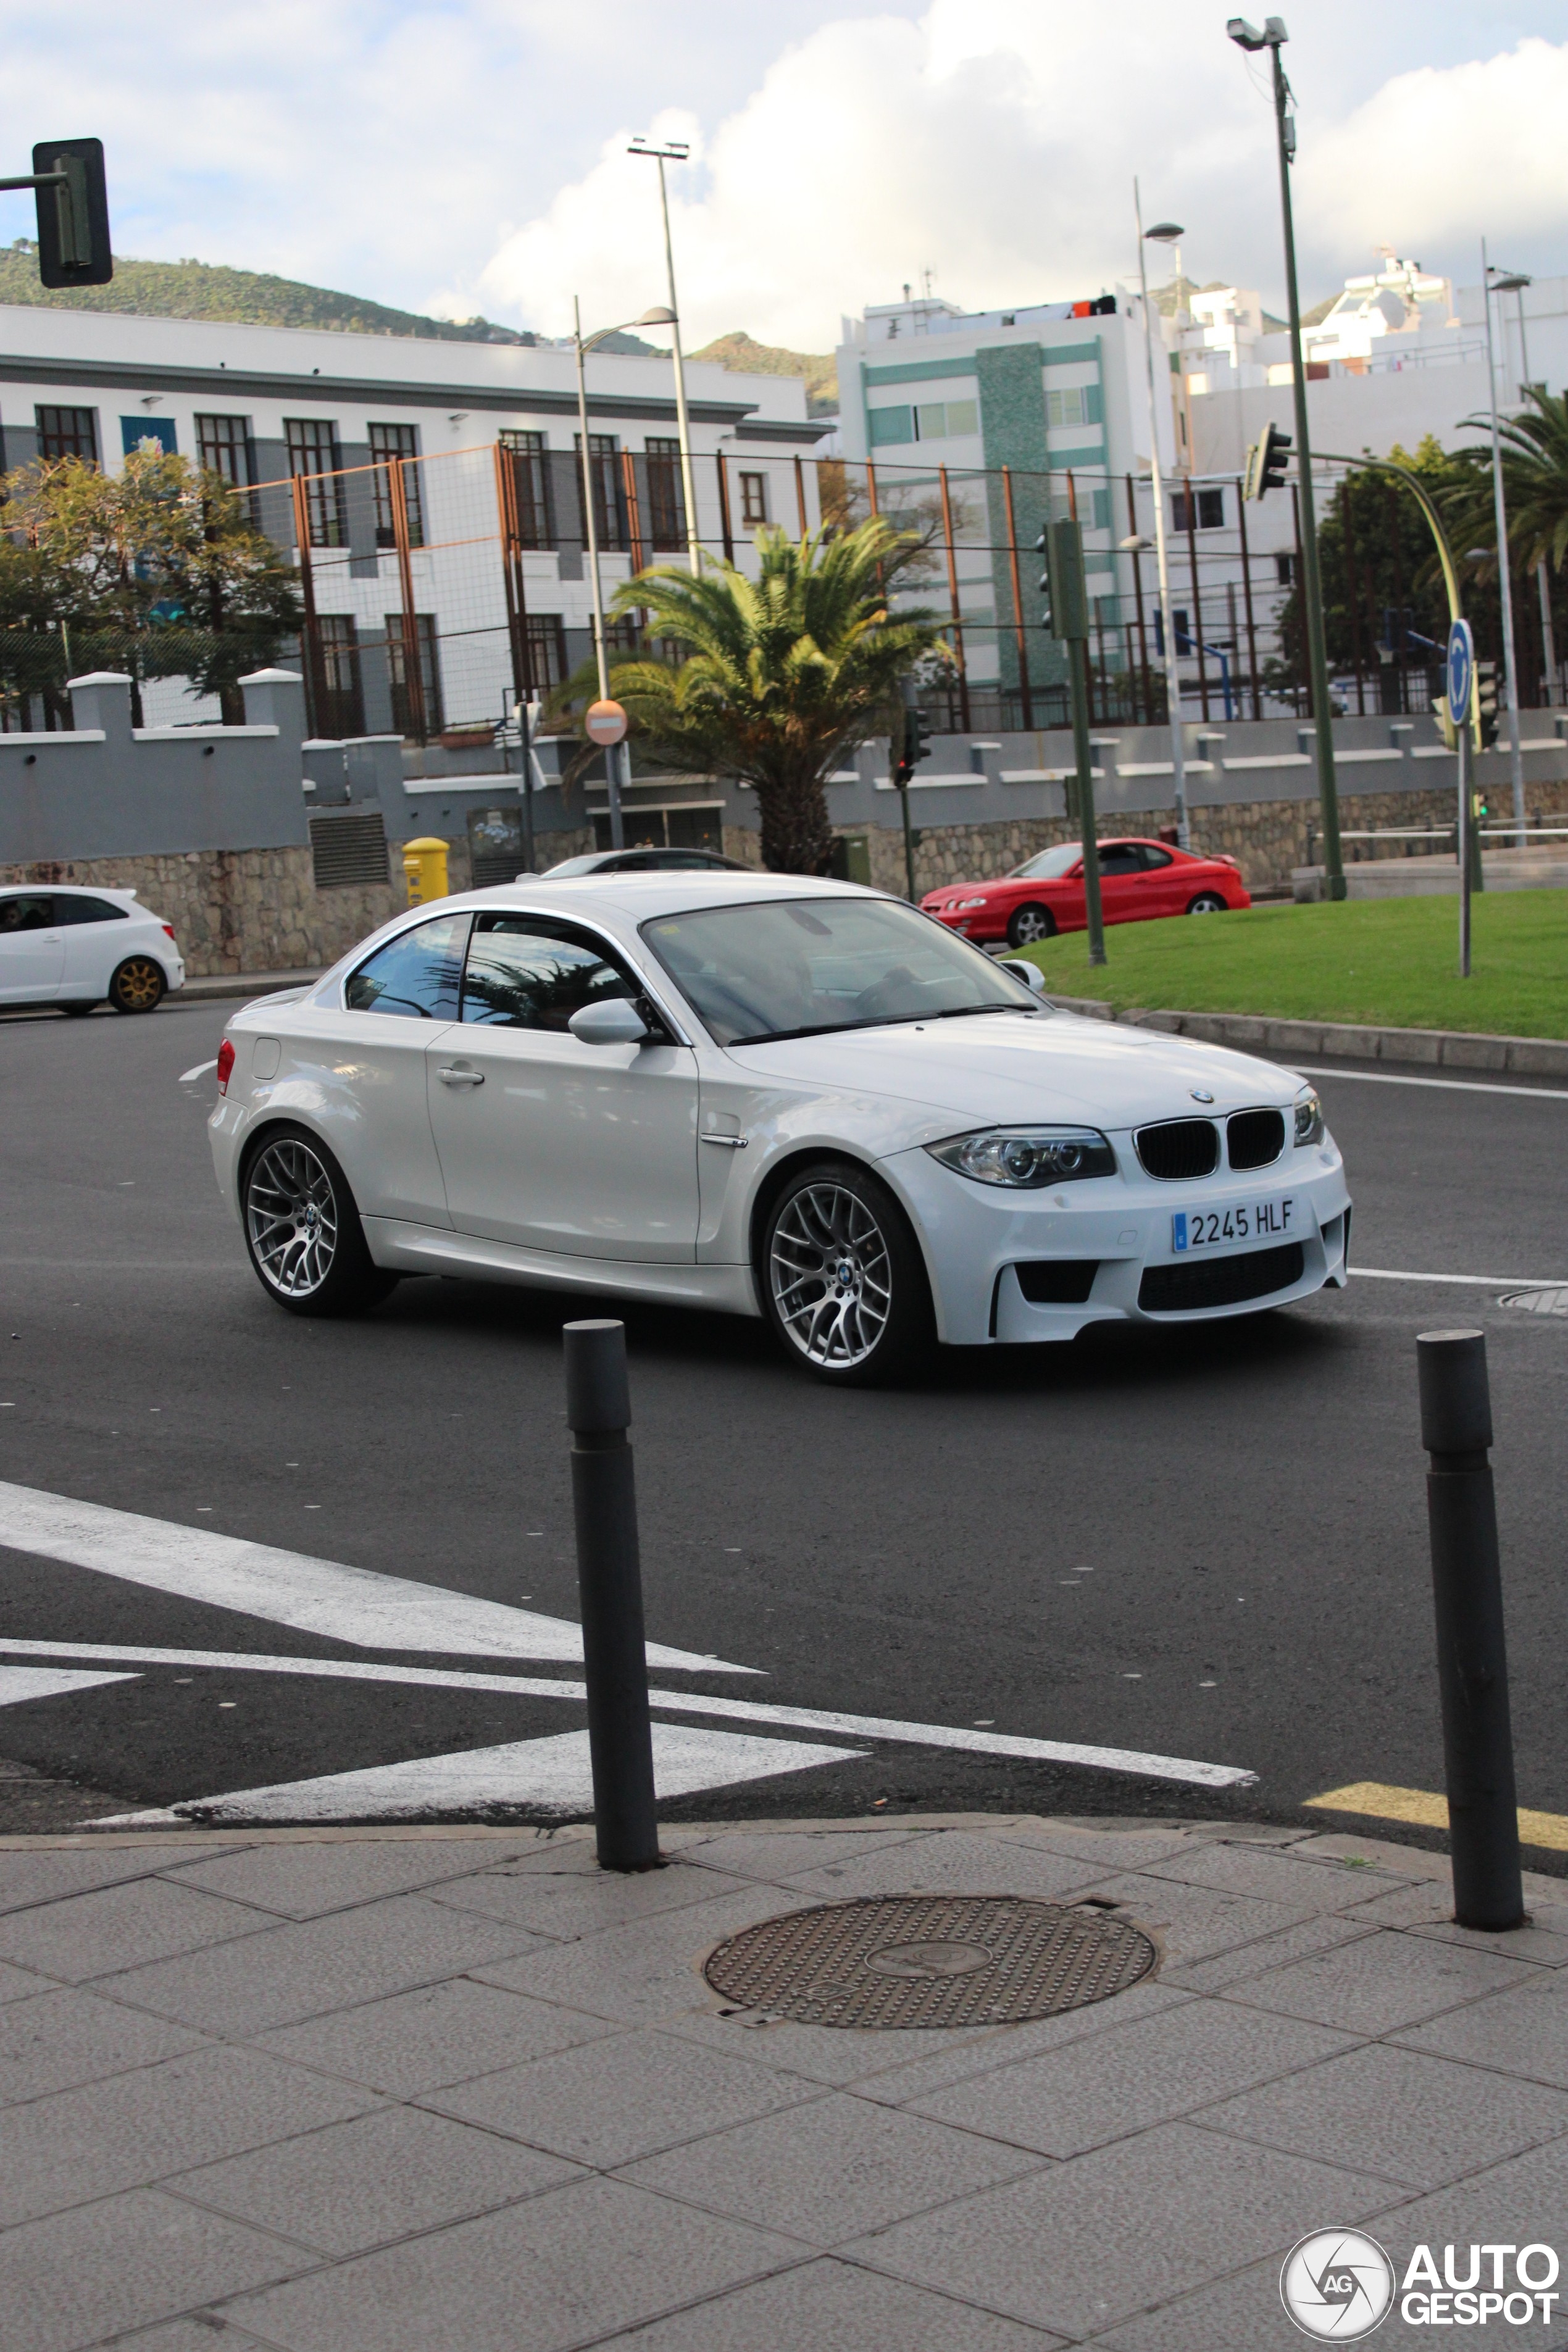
1207, 902
1028, 923
138, 986
303, 1231
842, 1280
78, 1011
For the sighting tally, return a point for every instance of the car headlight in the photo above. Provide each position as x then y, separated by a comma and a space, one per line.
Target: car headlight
1308, 1117
958, 905
1025, 1158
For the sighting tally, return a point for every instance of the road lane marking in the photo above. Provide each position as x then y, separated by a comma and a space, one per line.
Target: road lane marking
1470, 1281
552, 1776
796, 1718
1450, 1086
19, 1684
199, 1070
357, 1605
1430, 1811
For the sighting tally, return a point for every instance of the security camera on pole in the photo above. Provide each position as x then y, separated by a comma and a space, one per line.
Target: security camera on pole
1064, 589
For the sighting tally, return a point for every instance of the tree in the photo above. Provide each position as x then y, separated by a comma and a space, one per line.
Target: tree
157, 570
775, 679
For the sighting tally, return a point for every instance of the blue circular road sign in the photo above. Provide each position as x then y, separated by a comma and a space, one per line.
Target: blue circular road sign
1461, 671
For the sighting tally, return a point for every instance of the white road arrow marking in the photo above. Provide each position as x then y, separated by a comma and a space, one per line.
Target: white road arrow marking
552, 1776
288, 1587
20, 1682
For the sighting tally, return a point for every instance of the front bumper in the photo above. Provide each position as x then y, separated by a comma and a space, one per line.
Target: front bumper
976, 1236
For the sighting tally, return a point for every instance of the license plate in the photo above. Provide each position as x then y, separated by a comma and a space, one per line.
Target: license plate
1228, 1228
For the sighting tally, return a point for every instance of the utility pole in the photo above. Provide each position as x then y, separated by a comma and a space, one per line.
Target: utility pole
1164, 232
1065, 588
1504, 567
676, 152
1272, 37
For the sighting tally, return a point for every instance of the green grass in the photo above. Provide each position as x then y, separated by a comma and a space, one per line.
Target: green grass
1392, 962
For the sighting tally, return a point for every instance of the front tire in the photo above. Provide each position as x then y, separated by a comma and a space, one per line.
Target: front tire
1207, 902
1028, 923
138, 986
78, 1010
303, 1231
842, 1279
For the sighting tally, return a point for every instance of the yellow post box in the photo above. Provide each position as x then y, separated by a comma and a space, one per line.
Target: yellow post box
425, 863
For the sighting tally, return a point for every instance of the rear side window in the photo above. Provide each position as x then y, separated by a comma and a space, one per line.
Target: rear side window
1120, 858
89, 910
30, 913
526, 973
418, 974
1154, 858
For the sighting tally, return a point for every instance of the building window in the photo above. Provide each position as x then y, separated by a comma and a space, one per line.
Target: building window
341, 688
623, 638
1285, 571
530, 476
223, 447
753, 498
403, 713
546, 652
940, 420
890, 425
397, 441
665, 498
314, 453
156, 434
1209, 512
605, 472
68, 432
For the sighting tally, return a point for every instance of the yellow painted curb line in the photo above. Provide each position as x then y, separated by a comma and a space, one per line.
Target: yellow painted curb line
1384, 1804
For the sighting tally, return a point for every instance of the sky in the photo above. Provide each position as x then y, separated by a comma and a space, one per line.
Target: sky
468, 156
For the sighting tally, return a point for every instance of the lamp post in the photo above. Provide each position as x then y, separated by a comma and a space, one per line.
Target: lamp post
1273, 38
1163, 233
585, 344
1499, 281
675, 151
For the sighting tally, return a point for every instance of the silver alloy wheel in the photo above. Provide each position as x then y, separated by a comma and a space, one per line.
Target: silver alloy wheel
1030, 925
291, 1217
1207, 902
832, 1276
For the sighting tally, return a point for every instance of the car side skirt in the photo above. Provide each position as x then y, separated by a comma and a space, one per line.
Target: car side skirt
425, 1249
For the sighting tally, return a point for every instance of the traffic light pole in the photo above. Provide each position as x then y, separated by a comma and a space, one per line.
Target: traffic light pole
1083, 754
1464, 849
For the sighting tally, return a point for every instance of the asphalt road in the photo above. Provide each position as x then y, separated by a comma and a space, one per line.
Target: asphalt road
1207, 1544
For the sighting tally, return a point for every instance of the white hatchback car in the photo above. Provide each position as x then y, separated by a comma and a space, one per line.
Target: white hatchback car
771, 1096
75, 948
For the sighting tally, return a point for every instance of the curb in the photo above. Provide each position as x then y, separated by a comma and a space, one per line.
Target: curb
1455, 1049
245, 983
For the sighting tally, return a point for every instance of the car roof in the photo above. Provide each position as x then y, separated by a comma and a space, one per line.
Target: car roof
75, 891
639, 897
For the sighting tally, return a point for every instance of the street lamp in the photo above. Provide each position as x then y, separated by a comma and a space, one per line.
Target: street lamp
675, 151
585, 344
1163, 233
1500, 281
1272, 37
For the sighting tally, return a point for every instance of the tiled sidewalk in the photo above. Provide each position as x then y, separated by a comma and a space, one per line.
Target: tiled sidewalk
448, 2090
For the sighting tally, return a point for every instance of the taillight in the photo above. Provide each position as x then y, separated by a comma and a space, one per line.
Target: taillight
224, 1065
168, 931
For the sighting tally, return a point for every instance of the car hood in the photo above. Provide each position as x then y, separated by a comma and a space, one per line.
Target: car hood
1019, 1067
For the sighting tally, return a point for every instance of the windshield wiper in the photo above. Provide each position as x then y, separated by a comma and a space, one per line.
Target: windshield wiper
968, 1011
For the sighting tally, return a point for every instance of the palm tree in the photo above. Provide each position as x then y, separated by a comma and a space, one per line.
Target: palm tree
1535, 485
775, 679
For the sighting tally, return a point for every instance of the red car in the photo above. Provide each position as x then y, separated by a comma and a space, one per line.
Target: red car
1137, 879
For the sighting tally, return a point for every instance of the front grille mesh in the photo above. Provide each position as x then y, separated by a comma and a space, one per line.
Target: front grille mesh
1057, 1281
1179, 1149
1220, 1281
1254, 1139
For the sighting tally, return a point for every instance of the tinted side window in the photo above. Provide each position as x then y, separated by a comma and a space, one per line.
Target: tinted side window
418, 974
26, 914
1120, 858
89, 910
1155, 858
524, 973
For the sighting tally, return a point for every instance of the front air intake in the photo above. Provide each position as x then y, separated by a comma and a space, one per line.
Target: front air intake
1179, 1149
1255, 1138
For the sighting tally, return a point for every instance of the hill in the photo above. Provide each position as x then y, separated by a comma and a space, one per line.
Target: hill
201, 289
738, 350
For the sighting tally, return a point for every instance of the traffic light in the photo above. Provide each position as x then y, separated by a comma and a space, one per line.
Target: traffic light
73, 214
1486, 705
916, 744
1044, 544
1068, 615
1266, 462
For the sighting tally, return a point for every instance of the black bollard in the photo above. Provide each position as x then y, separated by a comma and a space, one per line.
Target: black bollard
1472, 1662
609, 1582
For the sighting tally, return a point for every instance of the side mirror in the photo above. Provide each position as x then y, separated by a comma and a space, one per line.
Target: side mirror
1032, 978
615, 1022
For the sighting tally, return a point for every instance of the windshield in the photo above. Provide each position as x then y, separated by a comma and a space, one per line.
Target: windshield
793, 967
1051, 864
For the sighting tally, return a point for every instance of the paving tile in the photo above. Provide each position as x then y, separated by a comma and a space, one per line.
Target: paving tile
1296, 1883
1242, 2313
1324, 1931
60, 2039
1194, 1923
943, 1861
305, 1969
1129, 2078
43, 1875
439, 2034
365, 2183
102, 2138
303, 1882
830, 2171
649, 1969
613, 2100
563, 2269
1418, 2120
1427, 1909
1125, 2227
1523, 2032
830, 2306
1381, 1983
955, 2059
121, 1927
201, 2334
21, 1984
775, 1855
123, 2263
1519, 2203
568, 1905
1108, 1844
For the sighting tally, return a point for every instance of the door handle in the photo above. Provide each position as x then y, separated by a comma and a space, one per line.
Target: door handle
451, 1075
728, 1142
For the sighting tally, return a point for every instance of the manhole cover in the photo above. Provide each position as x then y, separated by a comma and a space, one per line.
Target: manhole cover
902, 1960
1539, 1302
